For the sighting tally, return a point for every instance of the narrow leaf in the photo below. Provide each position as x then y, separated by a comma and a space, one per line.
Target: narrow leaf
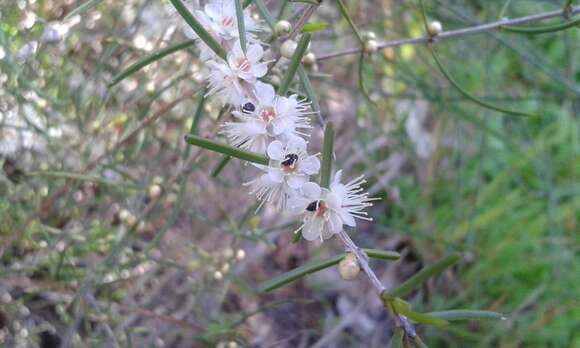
197, 116
83, 8
241, 24
381, 254
313, 27
151, 58
307, 86
220, 166
344, 13
298, 273
199, 29
316, 266
226, 149
469, 95
271, 21
419, 278
294, 63
397, 339
541, 29
403, 307
327, 155
465, 314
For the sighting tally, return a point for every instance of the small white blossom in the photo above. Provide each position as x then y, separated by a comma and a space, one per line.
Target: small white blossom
289, 169
233, 80
219, 19
325, 211
267, 117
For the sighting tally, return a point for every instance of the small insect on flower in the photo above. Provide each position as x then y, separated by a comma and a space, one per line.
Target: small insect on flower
266, 118
233, 80
219, 19
289, 169
325, 211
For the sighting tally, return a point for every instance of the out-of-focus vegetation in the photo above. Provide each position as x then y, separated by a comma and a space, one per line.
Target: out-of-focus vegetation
120, 238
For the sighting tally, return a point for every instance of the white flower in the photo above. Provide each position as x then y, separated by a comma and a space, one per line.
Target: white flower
220, 20
325, 211
289, 169
233, 80
266, 117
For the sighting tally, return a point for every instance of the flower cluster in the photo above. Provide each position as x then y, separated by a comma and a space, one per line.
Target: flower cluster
274, 125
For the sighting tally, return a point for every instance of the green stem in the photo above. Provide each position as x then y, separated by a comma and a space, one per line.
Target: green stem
241, 24
327, 155
294, 63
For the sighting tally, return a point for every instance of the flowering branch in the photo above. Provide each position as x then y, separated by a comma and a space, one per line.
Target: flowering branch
478, 29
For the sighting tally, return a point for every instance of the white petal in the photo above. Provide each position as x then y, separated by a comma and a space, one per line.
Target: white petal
255, 53
295, 145
310, 165
276, 175
259, 69
347, 219
278, 126
337, 177
334, 222
265, 93
311, 190
296, 181
276, 150
312, 228
333, 200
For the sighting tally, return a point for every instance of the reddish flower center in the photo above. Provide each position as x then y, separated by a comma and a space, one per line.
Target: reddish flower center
227, 21
289, 163
267, 114
244, 64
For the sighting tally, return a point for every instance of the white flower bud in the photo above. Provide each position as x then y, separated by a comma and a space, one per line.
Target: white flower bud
154, 191
288, 48
282, 27
240, 254
124, 215
309, 59
131, 220
434, 28
218, 275
371, 46
348, 268
370, 35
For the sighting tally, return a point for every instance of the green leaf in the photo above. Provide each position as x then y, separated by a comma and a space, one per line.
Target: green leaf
298, 273
307, 86
466, 314
327, 155
241, 25
294, 63
265, 13
83, 8
199, 29
397, 339
151, 58
220, 166
419, 278
226, 149
381, 254
541, 29
344, 13
316, 266
313, 27
403, 307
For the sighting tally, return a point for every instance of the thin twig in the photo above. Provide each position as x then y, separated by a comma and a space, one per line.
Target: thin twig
566, 13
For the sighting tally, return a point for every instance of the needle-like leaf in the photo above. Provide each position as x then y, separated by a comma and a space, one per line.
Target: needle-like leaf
327, 155
226, 149
419, 278
294, 63
148, 59
203, 34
